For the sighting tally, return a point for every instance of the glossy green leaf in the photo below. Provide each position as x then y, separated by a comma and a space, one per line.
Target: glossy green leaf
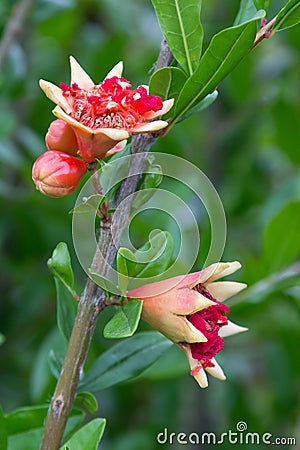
125, 321
289, 16
86, 400
89, 204
3, 432
246, 11
224, 52
125, 360
181, 25
282, 244
60, 266
88, 437
167, 82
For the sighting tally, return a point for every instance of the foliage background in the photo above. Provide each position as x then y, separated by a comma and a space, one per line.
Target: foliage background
247, 143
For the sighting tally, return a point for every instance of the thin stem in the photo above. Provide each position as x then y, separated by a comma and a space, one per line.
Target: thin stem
14, 27
103, 209
93, 299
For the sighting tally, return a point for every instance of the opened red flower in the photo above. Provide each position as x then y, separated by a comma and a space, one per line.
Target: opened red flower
188, 310
104, 114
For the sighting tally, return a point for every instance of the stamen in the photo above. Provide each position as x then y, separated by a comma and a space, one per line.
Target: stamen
203, 291
110, 104
209, 321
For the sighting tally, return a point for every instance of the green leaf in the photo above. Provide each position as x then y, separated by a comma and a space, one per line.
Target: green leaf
89, 204
172, 364
246, 11
25, 426
122, 273
125, 321
167, 82
203, 104
224, 52
125, 360
106, 284
262, 4
66, 309
86, 400
60, 266
26, 418
55, 362
288, 16
28, 440
181, 25
282, 238
152, 259
147, 188
153, 177
3, 432
88, 437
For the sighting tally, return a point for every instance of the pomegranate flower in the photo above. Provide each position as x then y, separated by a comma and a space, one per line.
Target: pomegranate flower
188, 310
104, 114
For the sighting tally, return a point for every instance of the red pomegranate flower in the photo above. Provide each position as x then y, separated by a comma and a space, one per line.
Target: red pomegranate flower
104, 114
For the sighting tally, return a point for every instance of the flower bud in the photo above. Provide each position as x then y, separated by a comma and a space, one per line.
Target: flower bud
61, 137
188, 310
57, 174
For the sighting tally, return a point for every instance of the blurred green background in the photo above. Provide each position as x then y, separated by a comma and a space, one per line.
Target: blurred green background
247, 143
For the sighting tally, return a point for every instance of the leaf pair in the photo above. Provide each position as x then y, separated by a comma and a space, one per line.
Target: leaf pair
181, 25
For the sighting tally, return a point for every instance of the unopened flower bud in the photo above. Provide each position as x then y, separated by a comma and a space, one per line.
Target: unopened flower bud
61, 137
57, 174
